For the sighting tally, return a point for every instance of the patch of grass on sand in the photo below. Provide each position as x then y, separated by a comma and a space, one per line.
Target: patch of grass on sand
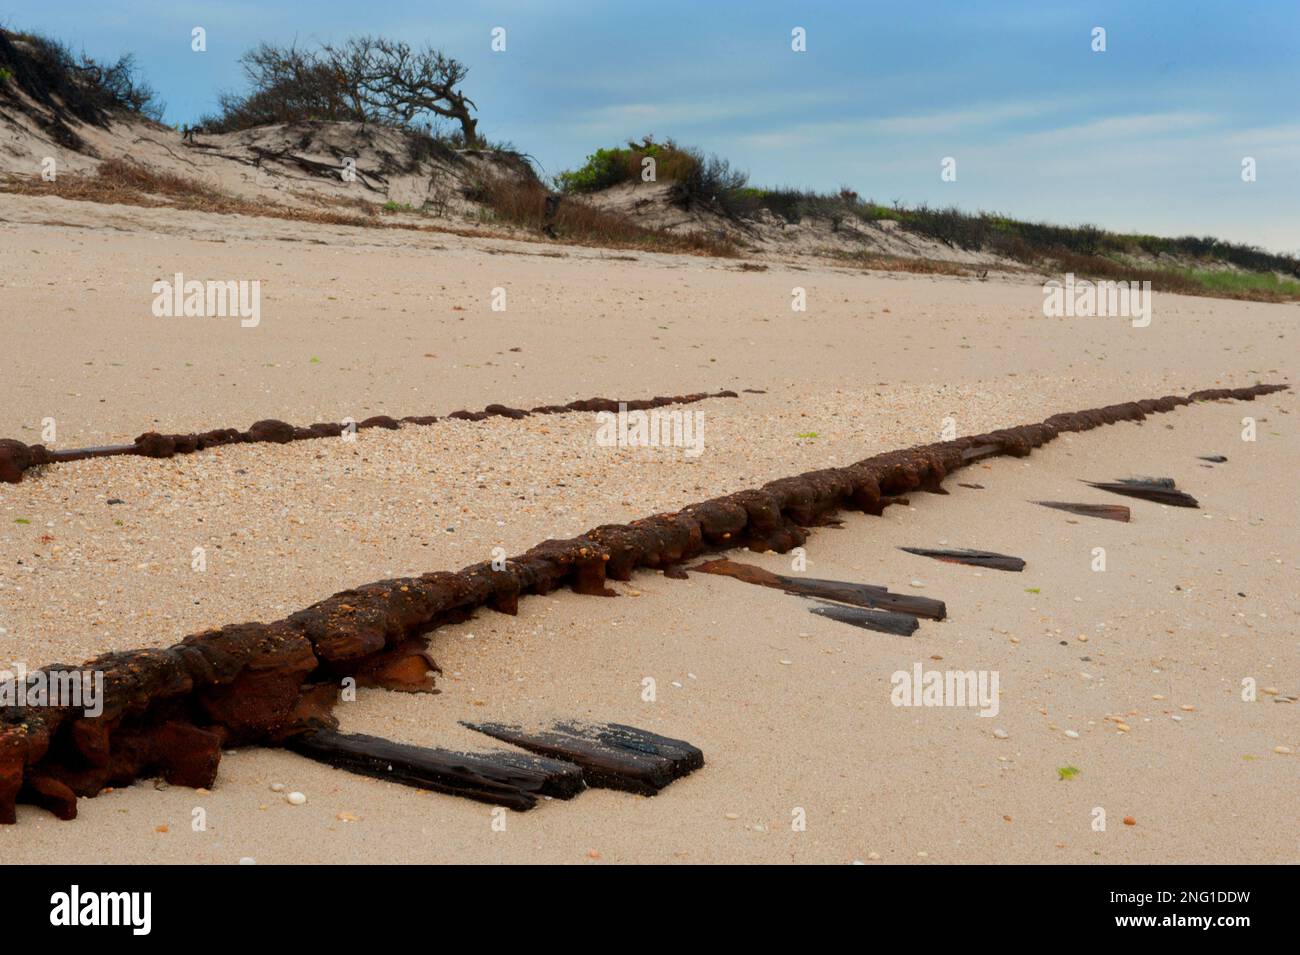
1234, 284
1220, 283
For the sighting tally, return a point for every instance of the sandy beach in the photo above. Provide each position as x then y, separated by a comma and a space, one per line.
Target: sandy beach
792, 710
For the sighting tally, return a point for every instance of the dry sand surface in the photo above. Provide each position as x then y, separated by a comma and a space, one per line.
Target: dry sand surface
791, 710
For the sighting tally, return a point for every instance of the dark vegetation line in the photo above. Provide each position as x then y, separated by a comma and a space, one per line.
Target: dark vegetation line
16, 457
170, 711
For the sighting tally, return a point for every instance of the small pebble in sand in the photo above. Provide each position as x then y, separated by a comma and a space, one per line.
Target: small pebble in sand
785, 663
1122, 727
277, 787
347, 817
923, 855
1269, 690
1130, 821
295, 798
873, 856
248, 860
1282, 750
1000, 733
1082, 638
1187, 707
917, 583
1072, 734
1158, 696
732, 815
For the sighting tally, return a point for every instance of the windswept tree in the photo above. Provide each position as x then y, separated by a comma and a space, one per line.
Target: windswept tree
287, 85
398, 85
365, 79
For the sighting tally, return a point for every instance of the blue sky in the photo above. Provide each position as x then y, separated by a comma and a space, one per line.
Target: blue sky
1147, 136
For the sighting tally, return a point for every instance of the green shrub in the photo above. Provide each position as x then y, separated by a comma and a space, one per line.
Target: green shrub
609, 167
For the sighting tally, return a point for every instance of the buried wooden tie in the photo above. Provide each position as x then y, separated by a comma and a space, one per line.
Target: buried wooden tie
1157, 490
979, 453
976, 558
513, 780
841, 591
881, 621
612, 756
1110, 512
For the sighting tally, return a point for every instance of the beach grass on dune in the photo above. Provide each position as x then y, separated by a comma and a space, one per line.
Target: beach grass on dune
1244, 283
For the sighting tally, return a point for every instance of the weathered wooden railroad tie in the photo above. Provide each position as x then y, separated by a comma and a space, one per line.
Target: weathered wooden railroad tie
560, 762
1159, 490
869, 606
974, 558
170, 711
1109, 512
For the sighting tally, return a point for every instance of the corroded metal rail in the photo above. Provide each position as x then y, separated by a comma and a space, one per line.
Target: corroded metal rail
16, 458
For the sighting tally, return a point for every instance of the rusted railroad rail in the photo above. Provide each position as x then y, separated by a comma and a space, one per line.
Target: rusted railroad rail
170, 711
16, 458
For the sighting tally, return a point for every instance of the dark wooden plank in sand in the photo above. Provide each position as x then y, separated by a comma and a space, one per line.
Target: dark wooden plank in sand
881, 621
975, 558
979, 453
1158, 491
1110, 512
841, 591
514, 780
612, 756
